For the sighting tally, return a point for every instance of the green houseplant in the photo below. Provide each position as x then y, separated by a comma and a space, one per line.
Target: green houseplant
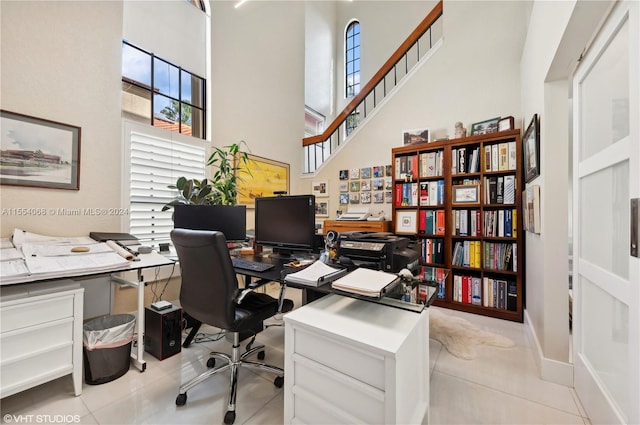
228, 163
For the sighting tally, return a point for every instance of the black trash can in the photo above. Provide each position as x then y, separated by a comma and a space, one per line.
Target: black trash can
107, 347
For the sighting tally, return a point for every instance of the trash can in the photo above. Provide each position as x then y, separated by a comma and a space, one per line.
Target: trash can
107, 347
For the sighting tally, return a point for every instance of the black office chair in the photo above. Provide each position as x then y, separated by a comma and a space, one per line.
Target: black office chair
210, 294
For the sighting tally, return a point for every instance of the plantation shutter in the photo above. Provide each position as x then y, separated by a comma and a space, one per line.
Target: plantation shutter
155, 164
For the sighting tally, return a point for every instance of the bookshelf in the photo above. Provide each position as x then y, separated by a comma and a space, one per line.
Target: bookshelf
465, 195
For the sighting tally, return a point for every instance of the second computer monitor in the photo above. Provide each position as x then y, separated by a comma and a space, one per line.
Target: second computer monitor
228, 219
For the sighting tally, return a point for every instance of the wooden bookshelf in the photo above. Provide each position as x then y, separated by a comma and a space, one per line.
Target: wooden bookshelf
468, 217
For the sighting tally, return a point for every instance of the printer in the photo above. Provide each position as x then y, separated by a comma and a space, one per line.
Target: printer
379, 251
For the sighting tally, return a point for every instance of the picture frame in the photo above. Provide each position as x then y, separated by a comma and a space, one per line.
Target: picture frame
344, 187
485, 127
365, 197
505, 124
344, 199
320, 188
406, 222
411, 137
465, 194
322, 208
261, 177
365, 185
365, 173
38, 152
531, 150
343, 175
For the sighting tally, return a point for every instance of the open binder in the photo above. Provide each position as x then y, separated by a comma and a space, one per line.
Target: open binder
367, 282
316, 274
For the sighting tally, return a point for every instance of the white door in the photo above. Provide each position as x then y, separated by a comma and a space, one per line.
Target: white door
605, 179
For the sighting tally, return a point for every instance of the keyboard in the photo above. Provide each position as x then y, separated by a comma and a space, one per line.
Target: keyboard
255, 266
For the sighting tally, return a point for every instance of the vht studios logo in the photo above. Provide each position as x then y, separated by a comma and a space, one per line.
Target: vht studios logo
40, 419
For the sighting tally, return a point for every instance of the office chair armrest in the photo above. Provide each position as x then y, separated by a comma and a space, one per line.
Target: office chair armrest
243, 294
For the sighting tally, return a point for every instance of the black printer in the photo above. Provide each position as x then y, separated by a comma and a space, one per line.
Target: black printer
379, 251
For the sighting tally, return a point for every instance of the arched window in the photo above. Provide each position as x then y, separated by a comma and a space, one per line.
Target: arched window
352, 59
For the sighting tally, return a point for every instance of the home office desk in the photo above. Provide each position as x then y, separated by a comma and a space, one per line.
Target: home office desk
41, 325
351, 358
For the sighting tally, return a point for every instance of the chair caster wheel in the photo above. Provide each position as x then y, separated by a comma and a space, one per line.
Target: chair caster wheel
181, 399
211, 363
261, 355
229, 417
279, 381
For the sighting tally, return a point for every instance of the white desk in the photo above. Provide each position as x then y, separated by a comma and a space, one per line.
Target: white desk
353, 361
22, 303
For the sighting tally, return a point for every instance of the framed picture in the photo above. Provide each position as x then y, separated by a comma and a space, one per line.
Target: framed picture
354, 174
505, 124
378, 171
344, 187
388, 197
365, 197
322, 208
466, 194
407, 222
387, 171
410, 137
354, 198
38, 152
365, 173
264, 177
485, 127
320, 189
531, 150
378, 184
378, 197
344, 198
354, 186
365, 185
344, 175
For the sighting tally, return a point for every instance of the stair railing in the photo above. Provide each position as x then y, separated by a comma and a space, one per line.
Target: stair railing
317, 149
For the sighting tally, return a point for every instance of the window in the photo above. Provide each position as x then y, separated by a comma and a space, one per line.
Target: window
157, 162
352, 59
162, 94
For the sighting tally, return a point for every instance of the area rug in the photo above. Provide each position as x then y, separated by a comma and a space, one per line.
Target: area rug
460, 337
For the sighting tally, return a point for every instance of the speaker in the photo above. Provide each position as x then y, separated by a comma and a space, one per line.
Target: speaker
163, 332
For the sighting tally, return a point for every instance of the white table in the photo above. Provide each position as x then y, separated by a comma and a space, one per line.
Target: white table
30, 305
353, 361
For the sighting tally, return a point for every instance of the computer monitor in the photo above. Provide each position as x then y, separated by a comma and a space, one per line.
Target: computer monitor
228, 219
286, 224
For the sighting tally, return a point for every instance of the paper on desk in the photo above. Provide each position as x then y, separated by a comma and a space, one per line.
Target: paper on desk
13, 268
22, 236
364, 281
314, 275
86, 263
57, 249
7, 254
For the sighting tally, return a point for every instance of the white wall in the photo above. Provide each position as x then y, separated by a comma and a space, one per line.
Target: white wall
258, 80
467, 80
320, 56
62, 61
384, 25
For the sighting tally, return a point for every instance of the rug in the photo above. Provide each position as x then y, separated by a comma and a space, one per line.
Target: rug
460, 337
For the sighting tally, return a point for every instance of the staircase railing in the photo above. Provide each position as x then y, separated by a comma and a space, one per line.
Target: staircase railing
317, 149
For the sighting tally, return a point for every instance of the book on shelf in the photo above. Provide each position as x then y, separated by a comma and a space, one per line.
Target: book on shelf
317, 274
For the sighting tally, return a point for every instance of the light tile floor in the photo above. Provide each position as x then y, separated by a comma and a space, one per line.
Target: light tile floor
500, 386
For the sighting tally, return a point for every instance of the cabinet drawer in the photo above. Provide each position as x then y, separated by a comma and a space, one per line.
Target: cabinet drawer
36, 369
23, 342
342, 357
343, 393
28, 313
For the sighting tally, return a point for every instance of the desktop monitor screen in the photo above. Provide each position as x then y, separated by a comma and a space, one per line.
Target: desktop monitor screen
286, 223
228, 219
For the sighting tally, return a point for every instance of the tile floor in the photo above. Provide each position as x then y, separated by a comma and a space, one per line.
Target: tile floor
500, 386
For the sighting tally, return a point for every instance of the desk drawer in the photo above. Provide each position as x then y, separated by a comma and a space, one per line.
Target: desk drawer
345, 395
29, 312
342, 357
37, 369
23, 342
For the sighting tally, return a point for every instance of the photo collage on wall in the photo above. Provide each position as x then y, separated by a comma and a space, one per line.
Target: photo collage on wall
368, 185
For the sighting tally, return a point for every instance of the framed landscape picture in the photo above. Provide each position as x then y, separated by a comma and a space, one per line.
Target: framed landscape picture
38, 152
531, 150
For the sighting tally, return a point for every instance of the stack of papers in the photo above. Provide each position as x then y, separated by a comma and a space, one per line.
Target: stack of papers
367, 282
316, 274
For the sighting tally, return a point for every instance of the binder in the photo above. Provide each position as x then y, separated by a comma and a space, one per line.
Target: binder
317, 274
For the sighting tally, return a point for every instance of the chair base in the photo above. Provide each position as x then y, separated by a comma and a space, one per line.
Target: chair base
232, 363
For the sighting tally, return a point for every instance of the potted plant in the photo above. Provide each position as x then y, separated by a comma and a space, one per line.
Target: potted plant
222, 188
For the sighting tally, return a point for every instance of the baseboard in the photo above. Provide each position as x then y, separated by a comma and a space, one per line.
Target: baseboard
550, 370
